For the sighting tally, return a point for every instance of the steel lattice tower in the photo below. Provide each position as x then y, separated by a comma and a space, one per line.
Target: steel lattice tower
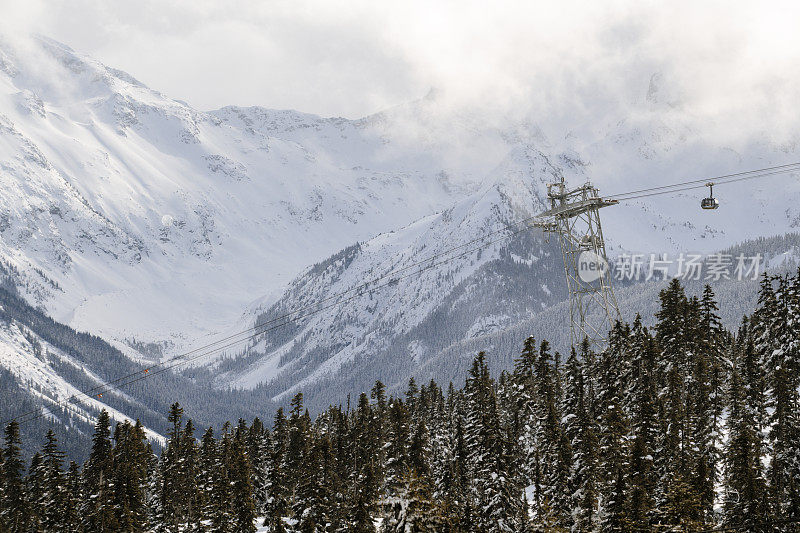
574, 215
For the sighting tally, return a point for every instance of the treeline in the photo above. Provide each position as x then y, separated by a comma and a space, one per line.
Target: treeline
684, 427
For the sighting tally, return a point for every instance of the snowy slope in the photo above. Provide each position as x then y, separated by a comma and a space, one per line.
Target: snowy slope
47, 365
411, 290
430, 326
33, 361
158, 226
121, 208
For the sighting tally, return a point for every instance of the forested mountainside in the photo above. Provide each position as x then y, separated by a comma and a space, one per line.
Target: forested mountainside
45, 366
682, 426
425, 322
427, 295
136, 217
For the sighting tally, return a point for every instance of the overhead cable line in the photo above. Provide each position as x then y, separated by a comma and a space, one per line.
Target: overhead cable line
631, 196
218, 344
119, 383
790, 167
274, 323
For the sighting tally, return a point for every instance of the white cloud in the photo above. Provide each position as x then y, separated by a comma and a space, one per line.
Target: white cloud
726, 63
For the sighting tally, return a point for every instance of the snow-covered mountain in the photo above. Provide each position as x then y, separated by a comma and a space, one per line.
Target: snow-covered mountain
425, 296
159, 227
121, 209
429, 323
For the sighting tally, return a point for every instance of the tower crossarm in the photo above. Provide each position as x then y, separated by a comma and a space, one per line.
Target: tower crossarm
573, 209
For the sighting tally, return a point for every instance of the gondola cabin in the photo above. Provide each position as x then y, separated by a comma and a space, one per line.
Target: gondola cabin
710, 202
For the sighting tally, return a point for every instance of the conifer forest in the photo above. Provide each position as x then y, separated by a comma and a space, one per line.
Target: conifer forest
680, 427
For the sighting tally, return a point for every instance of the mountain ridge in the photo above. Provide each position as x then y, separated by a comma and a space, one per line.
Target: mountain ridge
161, 228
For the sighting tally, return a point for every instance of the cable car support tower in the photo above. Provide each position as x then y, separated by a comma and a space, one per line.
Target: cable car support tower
574, 215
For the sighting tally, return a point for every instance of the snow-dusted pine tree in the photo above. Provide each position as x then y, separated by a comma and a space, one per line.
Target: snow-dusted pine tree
579, 429
496, 489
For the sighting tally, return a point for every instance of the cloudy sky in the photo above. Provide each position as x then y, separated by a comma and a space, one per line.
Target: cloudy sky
356, 57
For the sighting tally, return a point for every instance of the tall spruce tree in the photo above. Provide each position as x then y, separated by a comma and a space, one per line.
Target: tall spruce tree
677, 501
364, 486
745, 502
179, 483
244, 510
54, 495
397, 453
35, 493
258, 445
777, 346
13, 512
700, 438
98, 512
579, 429
496, 491
278, 502
642, 406
523, 420
613, 429
130, 464
208, 472
154, 508
73, 497
314, 487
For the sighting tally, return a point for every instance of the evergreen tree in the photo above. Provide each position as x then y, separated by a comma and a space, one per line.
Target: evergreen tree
363, 482
397, 458
223, 516
643, 411
53, 498
462, 504
154, 508
496, 491
412, 510
445, 487
677, 501
523, 421
244, 511
130, 464
35, 493
297, 451
314, 487
778, 346
14, 512
745, 502
278, 502
579, 429
701, 436
419, 452
613, 429
179, 475
715, 344
258, 445
556, 461
73, 497
98, 511
208, 471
